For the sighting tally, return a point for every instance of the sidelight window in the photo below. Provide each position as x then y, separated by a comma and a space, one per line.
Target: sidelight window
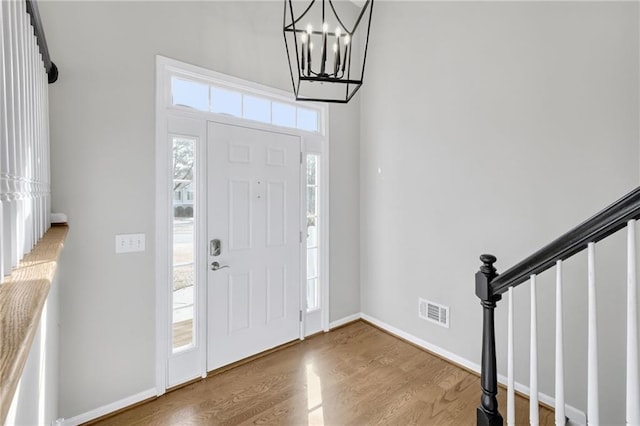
313, 288
183, 271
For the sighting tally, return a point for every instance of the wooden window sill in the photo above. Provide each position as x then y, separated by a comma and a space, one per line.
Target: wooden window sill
22, 298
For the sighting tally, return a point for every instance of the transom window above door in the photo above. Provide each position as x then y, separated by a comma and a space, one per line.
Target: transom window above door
224, 100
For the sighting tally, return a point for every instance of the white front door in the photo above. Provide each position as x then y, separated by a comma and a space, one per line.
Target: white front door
254, 212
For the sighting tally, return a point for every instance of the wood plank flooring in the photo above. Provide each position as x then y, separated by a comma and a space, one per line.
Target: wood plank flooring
355, 375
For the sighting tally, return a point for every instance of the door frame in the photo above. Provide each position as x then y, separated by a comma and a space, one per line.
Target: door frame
311, 143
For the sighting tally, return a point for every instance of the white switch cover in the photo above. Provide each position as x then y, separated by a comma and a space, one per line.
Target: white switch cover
128, 243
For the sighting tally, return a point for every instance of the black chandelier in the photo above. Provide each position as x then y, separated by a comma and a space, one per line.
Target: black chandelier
326, 57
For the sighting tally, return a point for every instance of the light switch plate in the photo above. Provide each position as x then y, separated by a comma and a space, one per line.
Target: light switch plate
129, 243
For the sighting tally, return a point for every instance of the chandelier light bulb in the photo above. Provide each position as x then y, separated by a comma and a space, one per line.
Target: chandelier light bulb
338, 32
347, 38
304, 53
336, 60
309, 29
325, 27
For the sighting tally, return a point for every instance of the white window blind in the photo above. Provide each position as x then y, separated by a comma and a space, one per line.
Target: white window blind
24, 137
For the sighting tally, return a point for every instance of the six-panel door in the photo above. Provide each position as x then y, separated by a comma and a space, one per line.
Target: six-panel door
253, 209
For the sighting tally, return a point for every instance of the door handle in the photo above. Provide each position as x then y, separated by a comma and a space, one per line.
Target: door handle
216, 265
215, 247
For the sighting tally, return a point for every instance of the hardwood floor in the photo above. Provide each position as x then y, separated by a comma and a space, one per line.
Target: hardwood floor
355, 375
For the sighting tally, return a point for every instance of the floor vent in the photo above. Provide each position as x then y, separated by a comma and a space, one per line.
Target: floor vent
433, 312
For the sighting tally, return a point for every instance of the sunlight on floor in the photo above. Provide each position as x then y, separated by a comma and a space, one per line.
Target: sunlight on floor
314, 397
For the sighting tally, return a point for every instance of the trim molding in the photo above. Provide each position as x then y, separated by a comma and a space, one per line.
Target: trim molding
345, 320
109, 408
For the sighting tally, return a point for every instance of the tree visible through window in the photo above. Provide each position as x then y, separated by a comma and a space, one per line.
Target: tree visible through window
183, 271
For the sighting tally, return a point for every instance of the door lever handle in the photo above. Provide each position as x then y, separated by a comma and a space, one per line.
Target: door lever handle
216, 265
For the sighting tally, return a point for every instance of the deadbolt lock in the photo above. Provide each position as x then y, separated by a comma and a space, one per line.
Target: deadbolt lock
215, 247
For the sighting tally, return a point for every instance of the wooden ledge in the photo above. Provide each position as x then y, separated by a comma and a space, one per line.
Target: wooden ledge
22, 298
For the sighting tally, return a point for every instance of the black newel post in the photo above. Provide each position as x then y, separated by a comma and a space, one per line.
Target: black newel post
487, 413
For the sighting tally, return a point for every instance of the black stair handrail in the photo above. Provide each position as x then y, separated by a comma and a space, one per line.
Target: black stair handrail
490, 285
38, 30
604, 223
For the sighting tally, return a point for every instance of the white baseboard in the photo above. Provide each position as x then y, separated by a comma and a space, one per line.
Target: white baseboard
576, 416
109, 408
345, 320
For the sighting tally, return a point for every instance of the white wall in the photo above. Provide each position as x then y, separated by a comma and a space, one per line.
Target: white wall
497, 127
345, 210
102, 127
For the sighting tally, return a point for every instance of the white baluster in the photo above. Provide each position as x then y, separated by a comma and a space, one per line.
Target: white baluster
559, 409
36, 140
633, 387
37, 137
25, 131
14, 138
593, 409
37, 127
44, 159
533, 368
25, 142
47, 151
20, 143
33, 223
24, 139
6, 160
29, 40
40, 137
511, 408
4, 138
42, 162
35, 66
